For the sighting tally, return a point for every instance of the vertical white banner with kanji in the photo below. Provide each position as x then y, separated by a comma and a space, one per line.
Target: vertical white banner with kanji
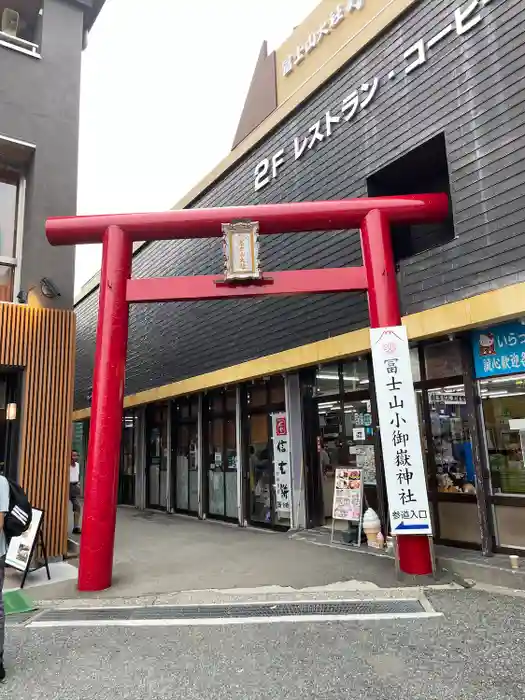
281, 463
400, 438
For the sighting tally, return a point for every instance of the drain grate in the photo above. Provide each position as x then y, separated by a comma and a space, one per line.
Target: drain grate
229, 612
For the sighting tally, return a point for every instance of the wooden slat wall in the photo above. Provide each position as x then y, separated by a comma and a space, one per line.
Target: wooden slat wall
42, 342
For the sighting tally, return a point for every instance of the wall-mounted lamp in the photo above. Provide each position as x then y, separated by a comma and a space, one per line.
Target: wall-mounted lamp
48, 288
10, 412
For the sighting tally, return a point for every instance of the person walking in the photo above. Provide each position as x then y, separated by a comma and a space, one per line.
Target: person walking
74, 491
4, 508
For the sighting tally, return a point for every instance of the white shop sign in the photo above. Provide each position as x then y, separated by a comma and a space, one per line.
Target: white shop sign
463, 20
332, 22
281, 463
399, 428
439, 397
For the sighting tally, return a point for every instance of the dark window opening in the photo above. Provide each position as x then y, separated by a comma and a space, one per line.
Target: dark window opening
421, 171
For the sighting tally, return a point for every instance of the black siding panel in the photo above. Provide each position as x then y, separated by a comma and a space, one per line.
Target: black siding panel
471, 88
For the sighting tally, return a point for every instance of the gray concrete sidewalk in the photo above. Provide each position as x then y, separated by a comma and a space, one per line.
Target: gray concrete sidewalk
159, 554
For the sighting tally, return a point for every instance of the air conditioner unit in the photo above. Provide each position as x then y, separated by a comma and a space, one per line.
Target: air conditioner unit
10, 20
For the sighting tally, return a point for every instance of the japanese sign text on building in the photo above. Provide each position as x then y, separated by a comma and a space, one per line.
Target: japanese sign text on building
399, 428
315, 38
241, 250
281, 462
499, 350
464, 19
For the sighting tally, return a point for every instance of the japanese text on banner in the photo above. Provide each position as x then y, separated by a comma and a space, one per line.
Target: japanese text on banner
399, 427
281, 462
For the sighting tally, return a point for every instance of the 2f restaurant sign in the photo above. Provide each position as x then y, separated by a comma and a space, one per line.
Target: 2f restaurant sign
464, 19
399, 428
281, 463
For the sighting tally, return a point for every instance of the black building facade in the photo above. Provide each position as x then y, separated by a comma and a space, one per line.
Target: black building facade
433, 103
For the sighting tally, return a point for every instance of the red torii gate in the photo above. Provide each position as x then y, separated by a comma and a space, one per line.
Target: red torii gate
118, 232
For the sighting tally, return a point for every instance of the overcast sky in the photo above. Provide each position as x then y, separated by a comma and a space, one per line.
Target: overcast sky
163, 86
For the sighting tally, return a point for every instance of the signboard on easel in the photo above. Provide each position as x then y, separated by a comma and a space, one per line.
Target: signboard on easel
348, 498
21, 549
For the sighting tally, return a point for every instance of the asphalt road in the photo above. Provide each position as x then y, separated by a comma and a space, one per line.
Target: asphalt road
474, 651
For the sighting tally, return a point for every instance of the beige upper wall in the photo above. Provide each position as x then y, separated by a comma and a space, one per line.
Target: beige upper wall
331, 35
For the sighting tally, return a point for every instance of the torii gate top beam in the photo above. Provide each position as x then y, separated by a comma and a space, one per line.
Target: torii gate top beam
273, 218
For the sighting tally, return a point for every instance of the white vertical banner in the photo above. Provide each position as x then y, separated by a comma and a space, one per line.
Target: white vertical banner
400, 439
281, 462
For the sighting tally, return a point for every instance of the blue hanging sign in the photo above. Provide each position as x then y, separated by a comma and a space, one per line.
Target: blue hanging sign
499, 350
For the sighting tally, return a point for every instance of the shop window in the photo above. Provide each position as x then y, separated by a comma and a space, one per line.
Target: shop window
420, 171
260, 465
415, 365
503, 403
451, 442
346, 433
231, 400
277, 390
126, 487
194, 406
443, 360
360, 438
327, 380
265, 392
157, 456
355, 375
423, 434
6, 283
217, 403
257, 395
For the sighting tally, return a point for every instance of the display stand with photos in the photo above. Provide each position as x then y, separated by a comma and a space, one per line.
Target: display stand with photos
348, 500
21, 549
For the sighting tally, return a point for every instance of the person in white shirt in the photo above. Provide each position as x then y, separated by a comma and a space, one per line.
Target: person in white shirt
74, 491
4, 508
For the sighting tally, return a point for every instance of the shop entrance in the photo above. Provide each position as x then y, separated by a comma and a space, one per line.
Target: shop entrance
263, 399
220, 455
344, 421
157, 457
9, 423
184, 455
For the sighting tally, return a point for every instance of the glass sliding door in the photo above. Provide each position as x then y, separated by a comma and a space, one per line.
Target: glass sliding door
157, 457
126, 484
184, 428
230, 475
346, 436
263, 399
221, 455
